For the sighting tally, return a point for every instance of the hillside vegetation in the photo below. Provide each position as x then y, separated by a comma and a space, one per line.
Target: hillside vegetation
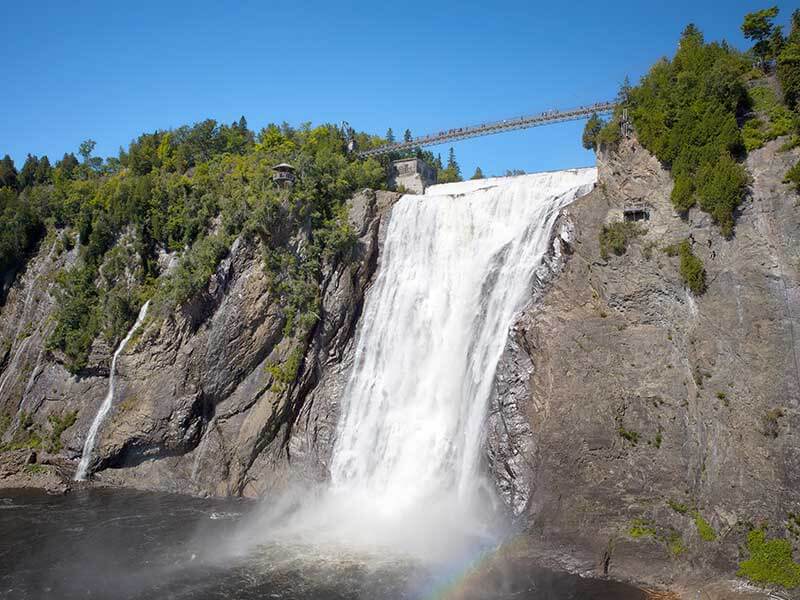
700, 112
192, 190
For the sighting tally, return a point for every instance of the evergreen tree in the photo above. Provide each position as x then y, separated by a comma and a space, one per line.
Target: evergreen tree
623, 95
478, 173
43, 170
451, 159
27, 175
389, 136
8, 173
407, 136
439, 166
591, 131
758, 27
242, 124
68, 164
452, 172
776, 42
789, 64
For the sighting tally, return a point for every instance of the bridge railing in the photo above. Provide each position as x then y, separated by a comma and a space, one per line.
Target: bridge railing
523, 122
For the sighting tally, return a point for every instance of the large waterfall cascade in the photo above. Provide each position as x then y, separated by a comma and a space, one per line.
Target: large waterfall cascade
88, 445
457, 266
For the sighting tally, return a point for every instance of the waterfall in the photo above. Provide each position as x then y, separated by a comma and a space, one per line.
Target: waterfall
457, 266
88, 446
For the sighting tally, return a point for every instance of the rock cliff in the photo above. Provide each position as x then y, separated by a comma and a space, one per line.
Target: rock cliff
636, 427
198, 408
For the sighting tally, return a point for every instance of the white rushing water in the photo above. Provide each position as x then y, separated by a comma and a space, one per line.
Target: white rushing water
88, 446
457, 266
406, 480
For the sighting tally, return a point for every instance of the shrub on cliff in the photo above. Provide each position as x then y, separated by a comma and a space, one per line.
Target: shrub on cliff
615, 237
591, 130
770, 561
691, 268
685, 112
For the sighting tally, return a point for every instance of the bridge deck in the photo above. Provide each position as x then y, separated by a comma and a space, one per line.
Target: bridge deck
525, 122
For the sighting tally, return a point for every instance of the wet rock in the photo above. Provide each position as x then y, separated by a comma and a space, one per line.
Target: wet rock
620, 392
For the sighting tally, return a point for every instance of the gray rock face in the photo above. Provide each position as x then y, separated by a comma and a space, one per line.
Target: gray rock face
620, 391
195, 408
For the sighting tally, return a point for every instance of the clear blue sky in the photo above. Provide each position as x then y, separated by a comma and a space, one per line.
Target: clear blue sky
111, 70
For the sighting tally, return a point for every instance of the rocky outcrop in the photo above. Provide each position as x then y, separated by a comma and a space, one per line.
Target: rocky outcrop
624, 400
197, 407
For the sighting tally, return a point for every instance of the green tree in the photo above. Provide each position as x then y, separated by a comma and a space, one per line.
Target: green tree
85, 149
407, 136
685, 112
389, 136
623, 96
27, 175
8, 173
43, 171
789, 64
591, 131
758, 27
67, 165
478, 173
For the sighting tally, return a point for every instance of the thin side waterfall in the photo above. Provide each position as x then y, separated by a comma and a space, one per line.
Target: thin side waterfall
88, 446
457, 266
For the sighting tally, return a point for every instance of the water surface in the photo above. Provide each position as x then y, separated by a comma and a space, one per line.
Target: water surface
124, 544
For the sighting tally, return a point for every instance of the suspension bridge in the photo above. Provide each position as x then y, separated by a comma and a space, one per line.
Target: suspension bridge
463, 133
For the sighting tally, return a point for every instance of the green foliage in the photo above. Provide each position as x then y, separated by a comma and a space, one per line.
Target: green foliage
720, 189
780, 120
591, 131
675, 545
167, 192
27, 435
5, 421
34, 469
704, 529
770, 561
616, 237
8, 173
194, 270
20, 229
758, 27
609, 135
793, 177
678, 507
685, 112
77, 316
284, 374
788, 64
626, 434
59, 424
691, 268
770, 422
452, 172
478, 174
641, 528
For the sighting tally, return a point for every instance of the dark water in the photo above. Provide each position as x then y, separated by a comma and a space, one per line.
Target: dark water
135, 545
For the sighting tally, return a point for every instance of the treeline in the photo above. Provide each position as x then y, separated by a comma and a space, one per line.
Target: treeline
192, 189
703, 110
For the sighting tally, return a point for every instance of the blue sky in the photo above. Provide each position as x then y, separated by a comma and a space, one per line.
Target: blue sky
109, 71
